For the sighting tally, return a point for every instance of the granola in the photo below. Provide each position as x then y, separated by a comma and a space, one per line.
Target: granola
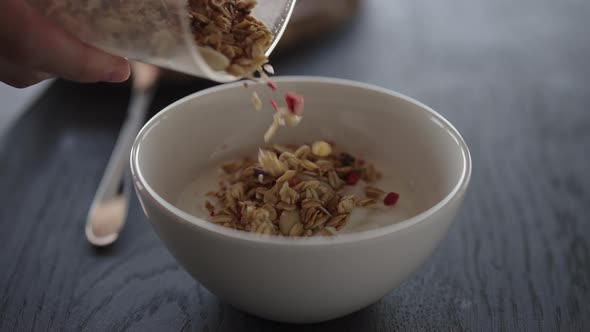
289, 115
291, 191
230, 38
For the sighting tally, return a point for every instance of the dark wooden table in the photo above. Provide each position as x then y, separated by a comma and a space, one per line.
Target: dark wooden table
512, 75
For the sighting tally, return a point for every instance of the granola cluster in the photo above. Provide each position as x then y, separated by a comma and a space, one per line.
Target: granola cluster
230, 38
292, 191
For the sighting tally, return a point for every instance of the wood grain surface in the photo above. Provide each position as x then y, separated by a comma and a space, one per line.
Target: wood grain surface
512, 75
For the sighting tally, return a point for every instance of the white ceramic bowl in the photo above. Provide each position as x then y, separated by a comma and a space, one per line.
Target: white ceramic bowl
315, 279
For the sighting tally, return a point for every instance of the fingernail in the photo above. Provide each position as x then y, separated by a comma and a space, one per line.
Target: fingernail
118, 74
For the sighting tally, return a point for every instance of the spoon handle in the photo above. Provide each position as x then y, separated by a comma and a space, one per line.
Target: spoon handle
108, 211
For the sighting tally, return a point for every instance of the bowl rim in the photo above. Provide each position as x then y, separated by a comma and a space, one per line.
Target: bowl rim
220, 231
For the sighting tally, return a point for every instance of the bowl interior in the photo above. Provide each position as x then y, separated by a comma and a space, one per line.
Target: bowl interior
420, 154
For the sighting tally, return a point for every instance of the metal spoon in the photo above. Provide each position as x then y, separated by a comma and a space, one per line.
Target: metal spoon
108, 211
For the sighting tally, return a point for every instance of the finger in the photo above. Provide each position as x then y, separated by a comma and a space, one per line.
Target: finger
20, 77
41, 45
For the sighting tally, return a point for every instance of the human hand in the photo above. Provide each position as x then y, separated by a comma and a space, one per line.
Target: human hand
33, 49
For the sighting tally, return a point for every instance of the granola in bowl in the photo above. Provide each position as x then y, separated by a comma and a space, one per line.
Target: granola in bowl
294, 191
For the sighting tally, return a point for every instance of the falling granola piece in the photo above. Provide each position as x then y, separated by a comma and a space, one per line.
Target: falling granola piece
294, 102
291, 119
256, 101
271, 131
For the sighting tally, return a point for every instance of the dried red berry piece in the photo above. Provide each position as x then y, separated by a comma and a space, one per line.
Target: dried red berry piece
271, 85
293, 182
274, 104
391, 199
294, 102
352, 178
